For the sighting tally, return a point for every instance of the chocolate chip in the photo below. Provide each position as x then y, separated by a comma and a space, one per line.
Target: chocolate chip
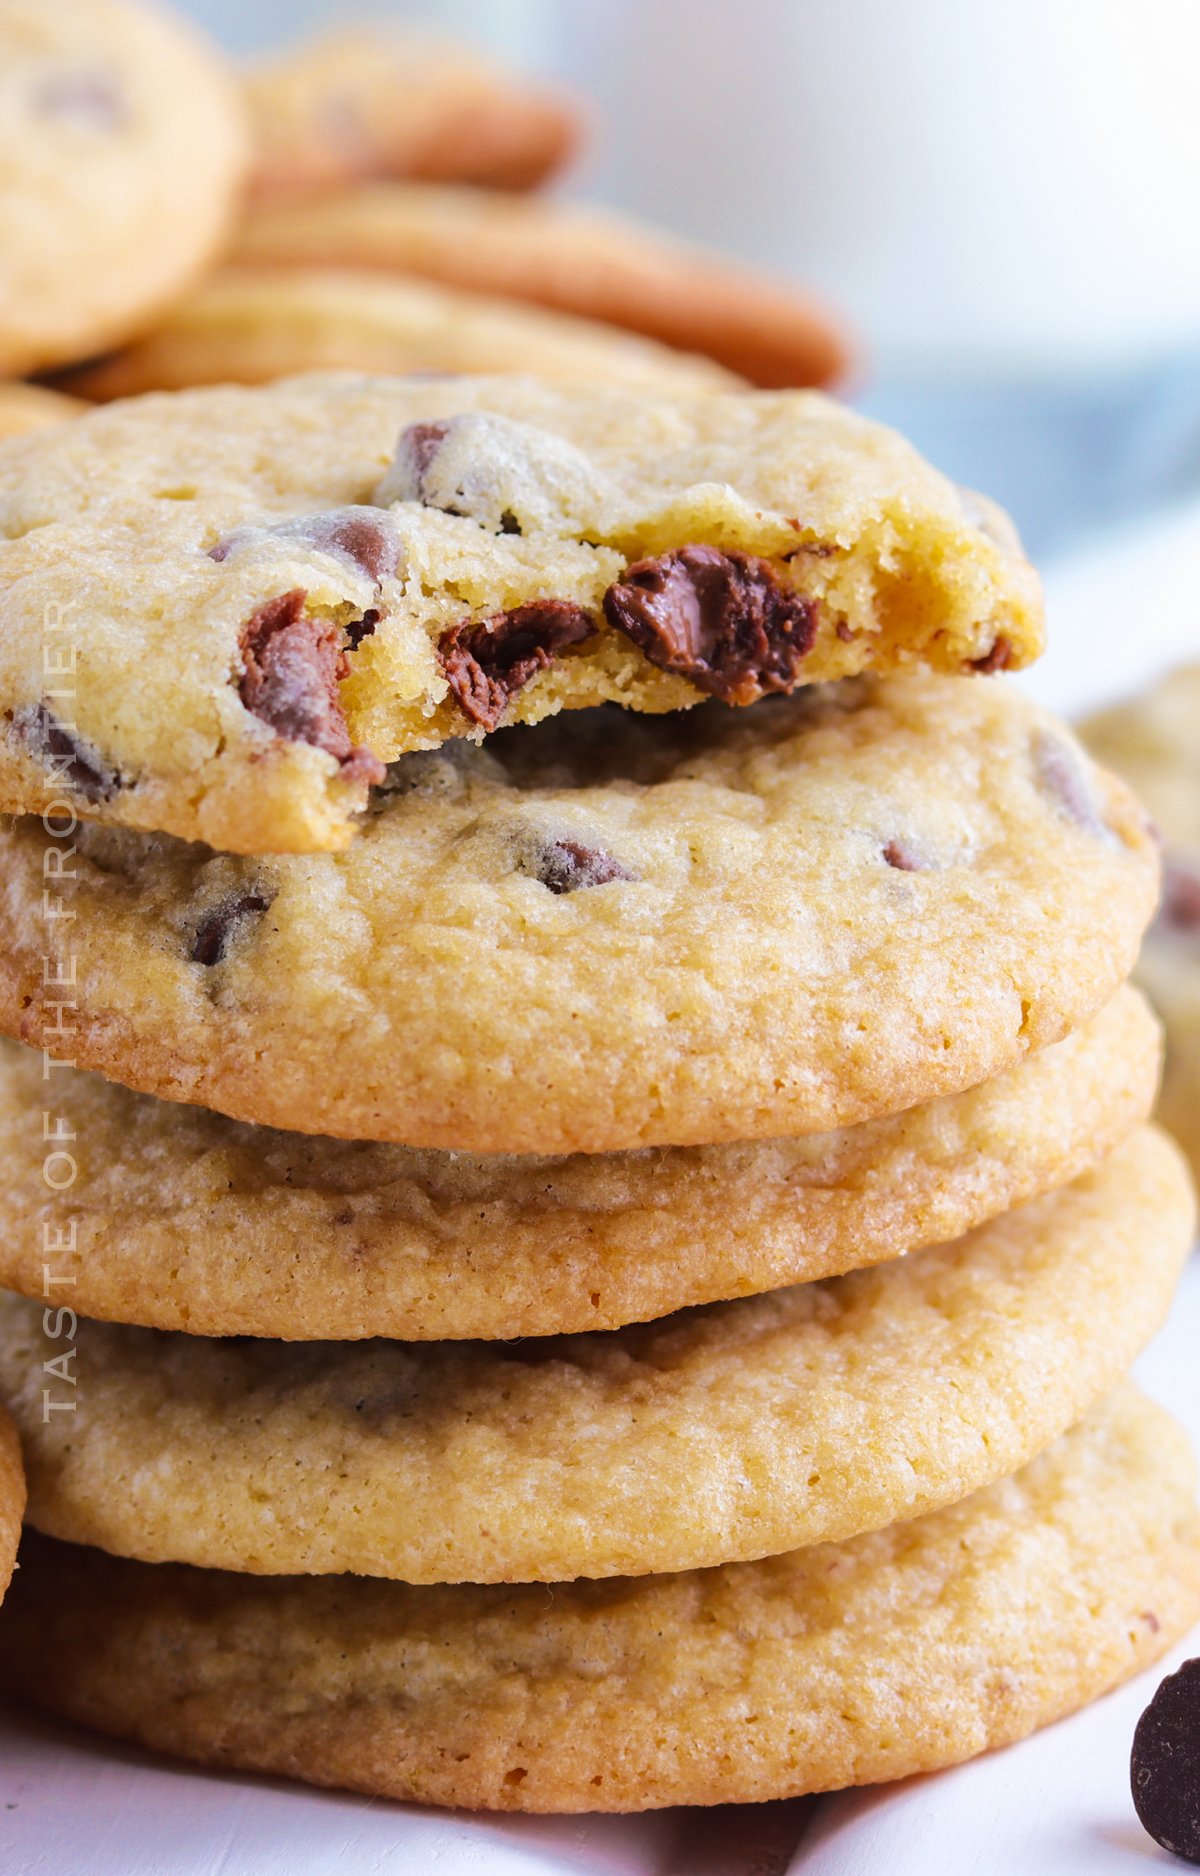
71, 760
721, 620
1063, 775
1180, 908
904, 856
486, 663
293, 664
217, 930
1164, 1768
88, 100
569, 865
358, 629
997, 659
365, 537
418, 445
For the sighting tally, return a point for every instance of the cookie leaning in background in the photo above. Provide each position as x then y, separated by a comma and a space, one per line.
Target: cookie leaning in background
895, 1653
253, 325
729, 1432
390, 100
304, 597
1154, 741
33, 406
559, 254
617, 931
180, 1219
122, 153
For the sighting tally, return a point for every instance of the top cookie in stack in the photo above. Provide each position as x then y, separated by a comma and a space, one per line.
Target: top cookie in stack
278, 593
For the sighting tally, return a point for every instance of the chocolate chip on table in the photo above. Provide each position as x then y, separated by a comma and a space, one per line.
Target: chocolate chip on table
365, 537
217, 930
997, 659
293, 664
1180, 908
1063, 776
1164, 1767
570, 865
71, 760
721, 620
486, 662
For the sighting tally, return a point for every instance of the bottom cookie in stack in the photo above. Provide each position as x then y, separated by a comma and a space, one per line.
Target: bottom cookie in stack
896, 1652
12, 1500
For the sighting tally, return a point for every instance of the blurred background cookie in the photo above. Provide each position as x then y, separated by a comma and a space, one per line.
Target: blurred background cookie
389, 99
253, 325
32, 406
574, 258
1154, 741
122, 152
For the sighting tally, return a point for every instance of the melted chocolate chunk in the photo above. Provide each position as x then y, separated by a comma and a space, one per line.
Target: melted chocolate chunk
420, 444
904, 856
721, 620
366, 537
487, 663
87, 100
1063, 776
1180, 908
218, 929
293, 665
69, 758
1164, 1768
997, 659
569, 866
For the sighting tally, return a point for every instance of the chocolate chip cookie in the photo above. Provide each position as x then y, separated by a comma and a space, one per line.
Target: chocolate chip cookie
574, 258
262, 597
1154, 741
614, 931
123, 149
253, 325
733, 1431
913, 1648
388, 99
181, 1219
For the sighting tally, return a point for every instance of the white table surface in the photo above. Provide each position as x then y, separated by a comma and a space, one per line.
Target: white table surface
1057, 1805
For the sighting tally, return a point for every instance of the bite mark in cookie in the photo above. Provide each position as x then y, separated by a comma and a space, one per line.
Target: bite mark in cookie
720, 620
293, 664
487, 662
217, 929
70, 760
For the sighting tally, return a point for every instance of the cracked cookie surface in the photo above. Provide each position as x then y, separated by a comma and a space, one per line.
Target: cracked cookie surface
536, 548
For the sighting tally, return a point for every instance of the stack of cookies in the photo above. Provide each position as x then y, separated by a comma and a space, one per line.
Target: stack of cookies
587, 1249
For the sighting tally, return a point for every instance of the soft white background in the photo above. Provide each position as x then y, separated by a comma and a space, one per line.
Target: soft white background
1005, 197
